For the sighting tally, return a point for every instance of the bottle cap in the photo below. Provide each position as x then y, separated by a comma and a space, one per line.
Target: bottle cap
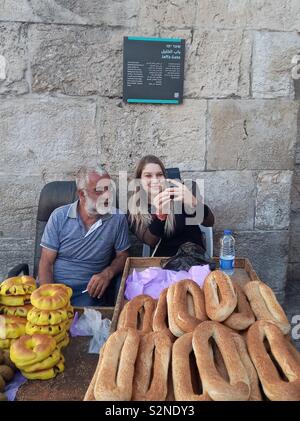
227, 232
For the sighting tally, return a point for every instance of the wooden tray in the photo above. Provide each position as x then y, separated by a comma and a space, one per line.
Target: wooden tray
72, 384
243, 273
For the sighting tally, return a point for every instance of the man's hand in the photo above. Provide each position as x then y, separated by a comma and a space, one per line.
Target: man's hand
99, 282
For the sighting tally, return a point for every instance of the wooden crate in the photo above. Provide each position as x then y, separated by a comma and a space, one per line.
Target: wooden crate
243, 273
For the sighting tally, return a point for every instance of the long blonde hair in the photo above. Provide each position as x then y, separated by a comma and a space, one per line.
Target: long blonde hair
139, 216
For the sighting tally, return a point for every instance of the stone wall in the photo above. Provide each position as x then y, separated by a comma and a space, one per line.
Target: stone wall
61, 106
294, 249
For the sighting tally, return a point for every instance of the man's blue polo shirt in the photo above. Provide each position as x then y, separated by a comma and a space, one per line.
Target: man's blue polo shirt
82, 253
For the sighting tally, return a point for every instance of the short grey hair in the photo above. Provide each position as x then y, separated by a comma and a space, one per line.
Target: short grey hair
82, 176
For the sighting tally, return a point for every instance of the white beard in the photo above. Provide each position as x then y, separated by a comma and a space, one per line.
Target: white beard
90, 206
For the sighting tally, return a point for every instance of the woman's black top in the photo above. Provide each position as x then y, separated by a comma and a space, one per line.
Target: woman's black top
183, 233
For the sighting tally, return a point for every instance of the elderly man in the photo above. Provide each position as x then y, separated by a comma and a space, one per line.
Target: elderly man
85, 244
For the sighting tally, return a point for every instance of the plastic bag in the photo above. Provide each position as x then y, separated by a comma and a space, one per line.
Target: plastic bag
91, 323
188, 255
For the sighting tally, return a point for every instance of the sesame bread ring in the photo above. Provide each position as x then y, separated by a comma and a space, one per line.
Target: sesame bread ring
242, 316
116, 372
46, 374
47, 363
220, 296
187, 305
18, 285
160, 317
5, 343
150, 382
174, 328
277, 367
265, 306
47, 317
139, 314
19, 311
122, 316
13, 328
51, 330
15, 300
184, 374
255, 394
32, 349
64, 342
237, 388
51, 296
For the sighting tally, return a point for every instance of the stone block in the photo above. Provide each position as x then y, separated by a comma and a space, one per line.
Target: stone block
47, 135
16, 10
217, 64
272, 64
295, 190
176, 134
14, 251
293, 272
273, 200
294, 251
76, 60
13, 42
92, 12
18, 206
231, 196
161, 14
251, 134
283, 15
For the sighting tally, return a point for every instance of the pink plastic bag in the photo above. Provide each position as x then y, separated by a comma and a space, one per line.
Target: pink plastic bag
153, 280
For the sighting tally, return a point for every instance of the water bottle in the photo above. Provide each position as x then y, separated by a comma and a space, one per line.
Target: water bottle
227, 253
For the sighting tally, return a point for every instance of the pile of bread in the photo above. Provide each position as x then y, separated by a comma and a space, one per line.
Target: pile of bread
37, 356
30, 316
221, 342
38, 353
7, 371
52, 313
15, 304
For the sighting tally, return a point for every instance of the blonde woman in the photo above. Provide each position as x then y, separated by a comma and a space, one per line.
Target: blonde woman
159, 209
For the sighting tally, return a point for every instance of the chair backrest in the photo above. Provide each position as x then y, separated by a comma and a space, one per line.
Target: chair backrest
53, 195
208, 240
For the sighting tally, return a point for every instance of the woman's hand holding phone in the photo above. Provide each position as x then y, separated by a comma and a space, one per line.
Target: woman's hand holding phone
180, 193
162, 204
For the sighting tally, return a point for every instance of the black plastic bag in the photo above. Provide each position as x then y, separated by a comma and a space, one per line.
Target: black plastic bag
188, 255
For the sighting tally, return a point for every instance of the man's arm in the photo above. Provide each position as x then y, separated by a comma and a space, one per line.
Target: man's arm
100, 281
46, 266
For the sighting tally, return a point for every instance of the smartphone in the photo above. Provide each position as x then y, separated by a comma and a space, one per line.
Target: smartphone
173, 173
